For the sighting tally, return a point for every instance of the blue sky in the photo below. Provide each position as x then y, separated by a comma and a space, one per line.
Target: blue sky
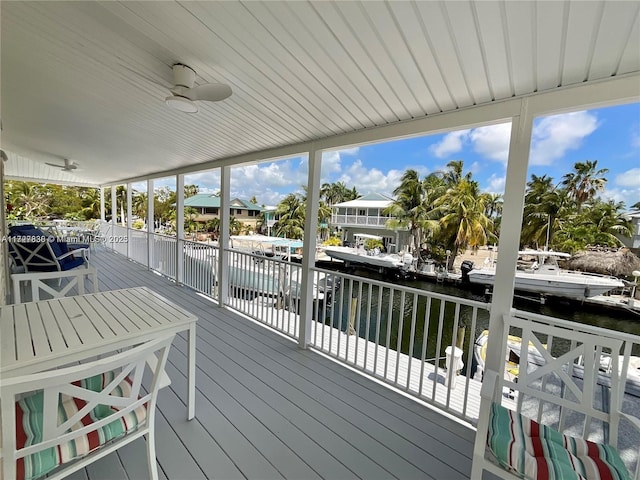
609, 135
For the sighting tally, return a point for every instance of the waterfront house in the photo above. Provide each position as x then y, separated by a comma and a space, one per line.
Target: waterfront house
366, 215
634, 242
208, 207
93, 82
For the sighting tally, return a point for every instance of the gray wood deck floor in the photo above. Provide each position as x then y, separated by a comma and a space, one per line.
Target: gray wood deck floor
266, 409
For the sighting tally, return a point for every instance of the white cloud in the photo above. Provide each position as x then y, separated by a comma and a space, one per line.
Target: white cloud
492, 141
496, 184
554, 135
349, 151
331, 163
368, 180
450, 143
630, 178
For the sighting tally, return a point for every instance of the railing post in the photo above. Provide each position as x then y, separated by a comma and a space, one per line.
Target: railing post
150, 223
309, 247
179, 229
223, 239
129, 222
103, 217
114, 215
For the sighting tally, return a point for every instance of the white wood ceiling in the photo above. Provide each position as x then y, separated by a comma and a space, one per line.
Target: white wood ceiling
87, 80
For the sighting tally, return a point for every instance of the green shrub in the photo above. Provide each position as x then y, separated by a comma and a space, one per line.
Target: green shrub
332, 242
374, 243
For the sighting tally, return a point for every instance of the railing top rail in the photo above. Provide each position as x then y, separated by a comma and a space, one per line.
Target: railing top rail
416, 291
262, 257
576, 326
164, 235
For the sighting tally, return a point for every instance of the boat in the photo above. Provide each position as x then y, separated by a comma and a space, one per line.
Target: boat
259, 266
534, 357
371, 258
543, 276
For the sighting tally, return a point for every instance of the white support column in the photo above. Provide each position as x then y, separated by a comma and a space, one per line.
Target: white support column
223, 240
179, 229
508, 245
114, 206
129, 221
103, 216
150, 223
521, 128
114, 215
309, 247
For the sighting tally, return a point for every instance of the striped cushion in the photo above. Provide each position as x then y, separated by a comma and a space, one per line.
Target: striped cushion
537, 452
29, 422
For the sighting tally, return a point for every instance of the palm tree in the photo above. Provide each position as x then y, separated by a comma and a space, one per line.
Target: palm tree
291, 214
408, 209
139, 204
337, 192
191, 190
494, 205
213, 226
546, 210
91, 203
464, 222
28, 197
585, 182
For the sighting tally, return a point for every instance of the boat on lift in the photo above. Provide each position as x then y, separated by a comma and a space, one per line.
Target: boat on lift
544, 276
372, 258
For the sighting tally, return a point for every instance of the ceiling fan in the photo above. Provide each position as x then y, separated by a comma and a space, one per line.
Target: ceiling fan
69, 166
184, 94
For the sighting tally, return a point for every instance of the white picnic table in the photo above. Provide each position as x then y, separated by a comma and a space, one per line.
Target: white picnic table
44, 335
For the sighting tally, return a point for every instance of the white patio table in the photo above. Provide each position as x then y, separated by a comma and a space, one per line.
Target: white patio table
43, 335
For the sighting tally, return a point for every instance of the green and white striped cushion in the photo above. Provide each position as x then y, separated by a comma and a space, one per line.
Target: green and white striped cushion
538, 452
29, 422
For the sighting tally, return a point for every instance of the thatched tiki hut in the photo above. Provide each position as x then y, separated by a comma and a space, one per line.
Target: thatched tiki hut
619, 264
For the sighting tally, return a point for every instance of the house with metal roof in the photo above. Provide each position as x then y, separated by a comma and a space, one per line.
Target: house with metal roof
366, 215
208, 207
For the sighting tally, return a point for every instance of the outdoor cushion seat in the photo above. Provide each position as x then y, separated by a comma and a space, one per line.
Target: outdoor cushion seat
29, 426
535, 452
43, 253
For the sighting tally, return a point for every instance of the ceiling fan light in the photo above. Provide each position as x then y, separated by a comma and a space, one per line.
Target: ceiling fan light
181, 103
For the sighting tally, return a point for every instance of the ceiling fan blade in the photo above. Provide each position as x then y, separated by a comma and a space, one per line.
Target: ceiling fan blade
54, 165
210, 92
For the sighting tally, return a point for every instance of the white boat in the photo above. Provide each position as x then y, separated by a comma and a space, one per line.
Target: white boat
258, 266
545, 277
370, 258
514, 351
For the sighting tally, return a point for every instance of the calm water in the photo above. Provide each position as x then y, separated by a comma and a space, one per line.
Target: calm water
399, 332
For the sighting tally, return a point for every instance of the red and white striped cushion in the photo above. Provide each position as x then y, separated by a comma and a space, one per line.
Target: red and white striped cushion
538, 452
29, 424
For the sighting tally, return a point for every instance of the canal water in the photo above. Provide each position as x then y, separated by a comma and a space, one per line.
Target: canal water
397, 332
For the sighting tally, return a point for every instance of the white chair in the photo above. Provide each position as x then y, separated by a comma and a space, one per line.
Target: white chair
38, 283
76, 415
556, 422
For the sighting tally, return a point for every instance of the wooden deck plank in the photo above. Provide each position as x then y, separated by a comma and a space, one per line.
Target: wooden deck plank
349, 402
356, 427
329, 456
265, 409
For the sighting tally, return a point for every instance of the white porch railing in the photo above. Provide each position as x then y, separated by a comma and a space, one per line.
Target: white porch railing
350, 220
396, 334
266, 289
400, 335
